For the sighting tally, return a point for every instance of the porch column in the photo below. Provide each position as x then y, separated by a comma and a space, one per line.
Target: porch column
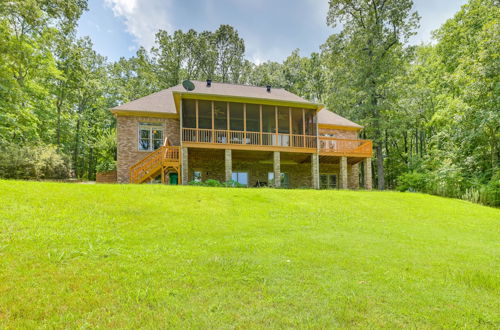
277, 169
229, 164
184, 166
343, 173
315, 170
353, 176
368, 173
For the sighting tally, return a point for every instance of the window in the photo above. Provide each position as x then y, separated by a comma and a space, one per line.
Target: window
328, 181
150, 136
197, 176
240, 177
285, 181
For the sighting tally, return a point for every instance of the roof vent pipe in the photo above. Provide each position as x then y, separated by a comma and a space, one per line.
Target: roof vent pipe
268, 88
209, 82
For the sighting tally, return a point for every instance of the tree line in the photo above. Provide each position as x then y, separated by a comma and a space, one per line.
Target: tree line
432, 110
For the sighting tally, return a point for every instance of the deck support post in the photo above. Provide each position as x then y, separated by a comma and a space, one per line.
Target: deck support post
343, 172
353, 176
228, 164
315, 170
184, 166
367, 162
277, 169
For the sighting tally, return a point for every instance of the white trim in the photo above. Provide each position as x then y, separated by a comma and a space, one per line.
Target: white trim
152, 126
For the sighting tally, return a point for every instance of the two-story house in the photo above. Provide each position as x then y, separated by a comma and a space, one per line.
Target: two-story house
257, 136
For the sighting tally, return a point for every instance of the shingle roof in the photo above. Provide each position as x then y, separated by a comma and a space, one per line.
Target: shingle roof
326, 117
159, 102
163, 101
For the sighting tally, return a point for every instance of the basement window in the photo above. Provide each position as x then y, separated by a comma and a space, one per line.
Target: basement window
150, 136
240, 177
197, 176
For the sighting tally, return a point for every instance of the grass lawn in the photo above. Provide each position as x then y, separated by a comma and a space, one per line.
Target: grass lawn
153, 256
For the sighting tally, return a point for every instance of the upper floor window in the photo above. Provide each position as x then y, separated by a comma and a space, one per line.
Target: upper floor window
150, 136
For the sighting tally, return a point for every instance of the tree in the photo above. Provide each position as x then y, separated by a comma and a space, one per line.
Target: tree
370, 47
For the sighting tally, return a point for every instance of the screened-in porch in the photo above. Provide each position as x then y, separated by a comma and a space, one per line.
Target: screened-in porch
218, 122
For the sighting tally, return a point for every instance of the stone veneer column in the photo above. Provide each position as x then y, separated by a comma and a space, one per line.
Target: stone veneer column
315, 170
277, 169
368, 173
184, 166
353, 176
228, 164
343, 173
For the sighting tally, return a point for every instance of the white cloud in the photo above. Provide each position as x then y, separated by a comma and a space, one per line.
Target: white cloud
142, 18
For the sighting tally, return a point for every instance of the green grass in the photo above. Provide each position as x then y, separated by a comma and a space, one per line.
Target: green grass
154, 256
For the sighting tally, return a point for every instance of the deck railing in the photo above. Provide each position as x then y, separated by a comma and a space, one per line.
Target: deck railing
215, 136
353, 147
327, 145
149, 165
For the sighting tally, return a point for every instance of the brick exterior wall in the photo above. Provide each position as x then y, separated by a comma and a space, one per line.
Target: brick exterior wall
338, 133
106, 177
299, 174
128, 140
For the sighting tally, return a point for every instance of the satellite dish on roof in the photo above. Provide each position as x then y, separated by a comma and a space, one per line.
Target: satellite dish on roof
188, 85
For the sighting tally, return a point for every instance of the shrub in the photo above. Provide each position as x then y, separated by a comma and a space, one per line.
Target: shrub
208, 183
216, 183
489, 194
195, 183
233, 184
106, 165
213, 183
412, 181
33, 162
471, 195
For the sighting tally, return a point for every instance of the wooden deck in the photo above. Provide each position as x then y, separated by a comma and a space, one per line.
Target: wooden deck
155, 163
264, 141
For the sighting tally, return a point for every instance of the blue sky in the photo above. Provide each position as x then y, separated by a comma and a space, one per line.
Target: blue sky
272, 29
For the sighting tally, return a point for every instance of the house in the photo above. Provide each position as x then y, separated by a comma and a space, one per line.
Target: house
257, 136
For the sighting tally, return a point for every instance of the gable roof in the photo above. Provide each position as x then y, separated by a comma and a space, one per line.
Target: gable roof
163, 101
326, 117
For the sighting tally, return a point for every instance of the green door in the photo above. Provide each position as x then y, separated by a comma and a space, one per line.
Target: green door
172, 178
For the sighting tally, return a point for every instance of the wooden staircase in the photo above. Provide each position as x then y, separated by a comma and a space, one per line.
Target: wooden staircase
154, 164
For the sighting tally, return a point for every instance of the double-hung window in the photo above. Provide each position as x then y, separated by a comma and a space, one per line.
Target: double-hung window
150, 136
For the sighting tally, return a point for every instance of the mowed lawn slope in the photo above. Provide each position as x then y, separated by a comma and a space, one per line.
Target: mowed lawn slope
156, 256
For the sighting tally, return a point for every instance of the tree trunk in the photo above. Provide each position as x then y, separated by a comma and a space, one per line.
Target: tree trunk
77, 148
380, 167
58, 128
